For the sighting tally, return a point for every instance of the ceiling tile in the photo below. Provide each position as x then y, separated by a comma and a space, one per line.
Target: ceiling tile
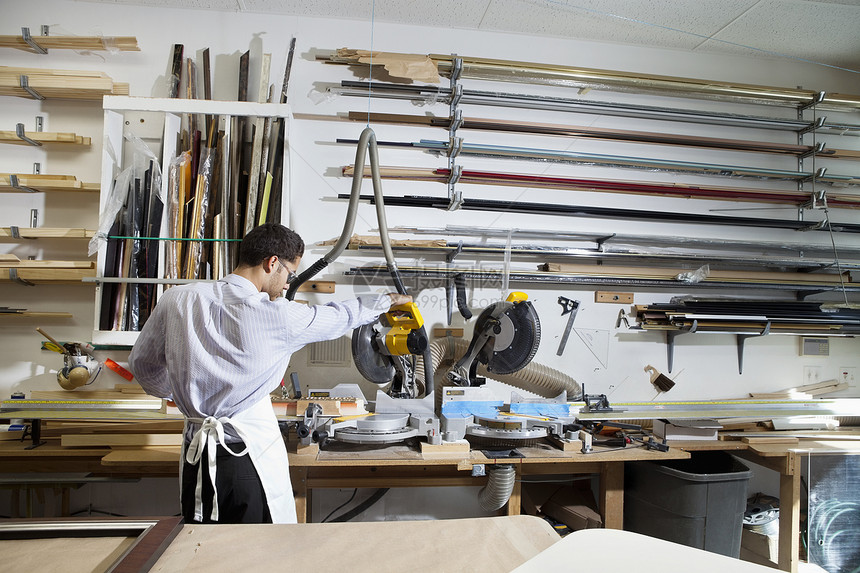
667, 23
825, 32
440, 13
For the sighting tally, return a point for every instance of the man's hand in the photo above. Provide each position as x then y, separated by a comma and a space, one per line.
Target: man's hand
398, 299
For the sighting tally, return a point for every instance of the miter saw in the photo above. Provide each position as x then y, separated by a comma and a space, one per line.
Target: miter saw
385, 351
506, 338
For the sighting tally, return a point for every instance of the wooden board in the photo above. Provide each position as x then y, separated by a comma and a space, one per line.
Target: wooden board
59, 84
28, 264
47, 233
473, 544
90, 440
771, 440
713, 275
614, 297
52, 276
46, 183
28, 314
318, 286
44, 137
88, 43
257, 149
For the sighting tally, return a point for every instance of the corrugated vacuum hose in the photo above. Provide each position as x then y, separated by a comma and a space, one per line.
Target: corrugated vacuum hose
497, 492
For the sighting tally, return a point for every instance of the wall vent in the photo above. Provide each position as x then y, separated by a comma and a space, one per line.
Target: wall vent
330, 352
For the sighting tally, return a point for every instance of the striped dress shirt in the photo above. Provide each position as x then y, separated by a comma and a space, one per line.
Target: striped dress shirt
216, 348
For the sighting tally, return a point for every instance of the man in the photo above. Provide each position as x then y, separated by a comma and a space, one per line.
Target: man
217, 349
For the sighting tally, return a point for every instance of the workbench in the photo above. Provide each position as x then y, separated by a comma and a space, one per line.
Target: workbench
402, 466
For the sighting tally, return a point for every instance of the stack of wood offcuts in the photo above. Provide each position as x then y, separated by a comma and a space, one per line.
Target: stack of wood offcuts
129, 441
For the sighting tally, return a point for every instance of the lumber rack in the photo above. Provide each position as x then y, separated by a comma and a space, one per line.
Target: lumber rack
740, 338
425, 93
379, 272
41, 44
458, 248
19, 131
455, 144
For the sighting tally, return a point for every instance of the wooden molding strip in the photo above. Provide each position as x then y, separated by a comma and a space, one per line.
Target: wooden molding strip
34, 314
46, 233
89, 43
626, 136
58, 84
28, 264
841, 200
45, 138
45, 183
48, 276
420, 67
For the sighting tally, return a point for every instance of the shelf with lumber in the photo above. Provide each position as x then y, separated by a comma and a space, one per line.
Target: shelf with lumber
429, 67
804, 189
597, 133
13, 269
421, 94
13, 313
209, 202
603, 275
33, 183
8, 234
88, 43
44, 138
614, 249
43, 83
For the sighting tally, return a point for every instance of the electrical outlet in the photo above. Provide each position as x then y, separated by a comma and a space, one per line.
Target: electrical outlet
847, 374
811, 375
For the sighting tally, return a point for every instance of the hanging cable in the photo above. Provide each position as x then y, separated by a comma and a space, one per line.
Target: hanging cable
341, 506
370, 68
836, 256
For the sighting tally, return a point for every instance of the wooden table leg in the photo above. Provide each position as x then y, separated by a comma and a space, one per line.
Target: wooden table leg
789, 513
612, 494
299, 479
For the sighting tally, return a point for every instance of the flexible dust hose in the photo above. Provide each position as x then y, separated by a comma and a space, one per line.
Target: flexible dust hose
351, 214
500, 485
537, 378
366, 145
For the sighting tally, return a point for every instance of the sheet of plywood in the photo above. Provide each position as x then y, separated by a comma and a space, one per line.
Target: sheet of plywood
478, 544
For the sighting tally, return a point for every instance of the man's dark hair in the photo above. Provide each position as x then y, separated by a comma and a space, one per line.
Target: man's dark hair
267, 240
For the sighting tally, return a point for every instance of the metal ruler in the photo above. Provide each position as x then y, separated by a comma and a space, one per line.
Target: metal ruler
131, 404
723, 409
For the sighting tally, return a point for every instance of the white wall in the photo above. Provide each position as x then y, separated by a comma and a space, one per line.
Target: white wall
705, 365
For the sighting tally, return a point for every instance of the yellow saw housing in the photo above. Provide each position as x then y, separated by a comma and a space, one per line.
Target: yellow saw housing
401, 320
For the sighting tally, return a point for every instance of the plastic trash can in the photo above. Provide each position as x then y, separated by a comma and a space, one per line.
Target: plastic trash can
698, 502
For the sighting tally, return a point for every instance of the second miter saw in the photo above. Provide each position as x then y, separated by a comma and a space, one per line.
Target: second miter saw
506, 338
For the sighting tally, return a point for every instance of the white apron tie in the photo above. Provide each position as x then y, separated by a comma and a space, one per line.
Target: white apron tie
210, 434
258, 428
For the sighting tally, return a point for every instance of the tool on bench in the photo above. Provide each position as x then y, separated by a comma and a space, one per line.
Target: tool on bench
506, 338
80, 366
384, 351
570, 307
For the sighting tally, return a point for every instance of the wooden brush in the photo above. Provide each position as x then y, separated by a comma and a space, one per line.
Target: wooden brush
661, 381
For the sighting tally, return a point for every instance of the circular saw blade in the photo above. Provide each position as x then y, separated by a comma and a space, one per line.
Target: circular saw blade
517, 341
370, 362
